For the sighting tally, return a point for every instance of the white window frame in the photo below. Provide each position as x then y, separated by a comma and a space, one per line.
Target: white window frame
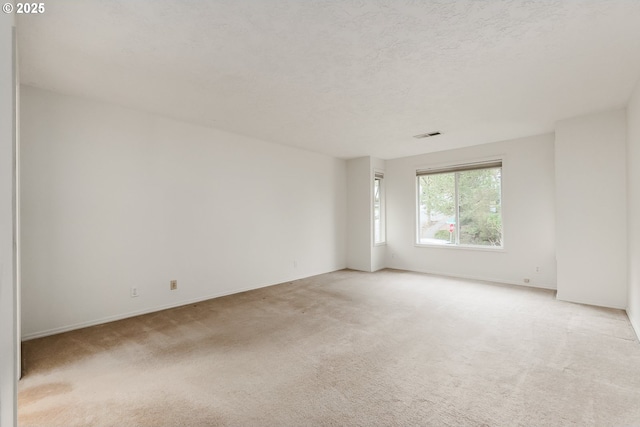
378, 175
447, 167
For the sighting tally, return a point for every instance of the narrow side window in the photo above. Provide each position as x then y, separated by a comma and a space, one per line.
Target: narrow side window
379, 231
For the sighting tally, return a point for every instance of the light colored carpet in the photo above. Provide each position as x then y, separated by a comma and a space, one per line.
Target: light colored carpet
345, 348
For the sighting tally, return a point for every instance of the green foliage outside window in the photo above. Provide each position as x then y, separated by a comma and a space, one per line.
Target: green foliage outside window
478, 203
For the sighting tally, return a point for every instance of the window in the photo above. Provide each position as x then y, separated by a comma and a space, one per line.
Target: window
378, 209
460, 205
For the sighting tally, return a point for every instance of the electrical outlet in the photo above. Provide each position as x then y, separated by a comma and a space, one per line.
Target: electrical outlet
295, 264
134, 292
527, 280
173, 285
537, 269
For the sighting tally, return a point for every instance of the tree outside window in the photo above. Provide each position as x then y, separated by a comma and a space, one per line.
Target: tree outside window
460, 206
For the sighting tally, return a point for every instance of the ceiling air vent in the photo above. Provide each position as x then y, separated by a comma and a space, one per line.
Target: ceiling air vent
426, 135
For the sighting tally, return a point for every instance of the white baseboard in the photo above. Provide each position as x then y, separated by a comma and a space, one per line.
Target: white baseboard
116, 317
562, 297
483, 279
634, 324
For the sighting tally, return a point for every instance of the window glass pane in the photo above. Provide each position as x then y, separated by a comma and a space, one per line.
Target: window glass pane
376, 211
480, 209
436, 197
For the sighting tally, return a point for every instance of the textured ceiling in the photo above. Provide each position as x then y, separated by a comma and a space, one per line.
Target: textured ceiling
347, 77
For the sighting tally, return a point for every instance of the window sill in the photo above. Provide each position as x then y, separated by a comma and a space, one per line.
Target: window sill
380, 244
462, 247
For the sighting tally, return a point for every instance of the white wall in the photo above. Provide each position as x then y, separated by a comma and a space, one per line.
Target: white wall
359, 214
114, 198
633, 207
528, 215
8, 308
363, 254
591, 209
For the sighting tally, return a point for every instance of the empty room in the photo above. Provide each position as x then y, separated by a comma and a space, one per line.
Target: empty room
346, 213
